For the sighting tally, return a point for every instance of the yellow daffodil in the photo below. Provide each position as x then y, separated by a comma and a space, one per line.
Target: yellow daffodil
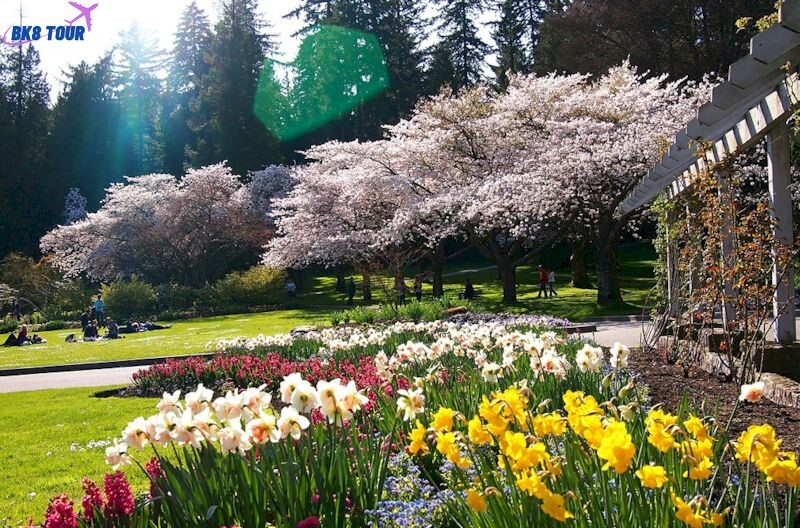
443, 420
549, 424
616, 448
553, 505
652, 476
476, 501
477, 433
699, 471
418, 445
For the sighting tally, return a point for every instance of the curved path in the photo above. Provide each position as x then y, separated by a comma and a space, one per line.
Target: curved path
608, 332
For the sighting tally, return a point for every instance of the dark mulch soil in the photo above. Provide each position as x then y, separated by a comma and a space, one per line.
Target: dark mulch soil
668, 385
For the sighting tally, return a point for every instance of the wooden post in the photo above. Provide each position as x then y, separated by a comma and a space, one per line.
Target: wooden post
782, 276
728, 260
673, 286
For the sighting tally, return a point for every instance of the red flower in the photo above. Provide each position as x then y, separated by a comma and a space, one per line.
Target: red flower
92, 498
60, 513
309, 522
119, 495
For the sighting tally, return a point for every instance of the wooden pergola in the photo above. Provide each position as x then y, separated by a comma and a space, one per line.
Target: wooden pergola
761, 93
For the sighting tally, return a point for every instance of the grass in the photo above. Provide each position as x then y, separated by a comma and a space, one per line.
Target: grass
43, 445
191, 336
636, 279
184, 338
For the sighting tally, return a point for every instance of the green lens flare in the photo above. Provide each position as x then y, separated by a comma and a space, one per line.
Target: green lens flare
336, 70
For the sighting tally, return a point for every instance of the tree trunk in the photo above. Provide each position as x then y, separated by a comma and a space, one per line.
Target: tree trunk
580, 277
341, 287
508, 275
437, 263
366, 286
608, 292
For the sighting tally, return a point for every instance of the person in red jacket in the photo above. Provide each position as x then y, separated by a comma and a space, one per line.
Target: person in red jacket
542, 282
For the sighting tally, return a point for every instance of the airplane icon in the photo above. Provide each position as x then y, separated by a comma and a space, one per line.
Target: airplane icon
86, 12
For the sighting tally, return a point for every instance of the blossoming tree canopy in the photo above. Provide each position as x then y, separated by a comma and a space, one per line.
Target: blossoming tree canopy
550, 158
163, 229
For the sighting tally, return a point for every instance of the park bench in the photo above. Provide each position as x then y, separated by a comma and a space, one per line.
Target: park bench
586, 328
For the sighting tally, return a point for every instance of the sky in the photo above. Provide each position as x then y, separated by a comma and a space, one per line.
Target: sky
114, 16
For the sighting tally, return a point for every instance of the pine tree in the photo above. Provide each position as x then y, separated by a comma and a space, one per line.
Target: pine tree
398, 27
459, 32
26, 118
137, 71
238, 50
85, 137
184, 117
508, 36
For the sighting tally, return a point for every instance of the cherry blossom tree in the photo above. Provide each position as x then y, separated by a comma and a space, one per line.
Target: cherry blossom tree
163, 229
602, 136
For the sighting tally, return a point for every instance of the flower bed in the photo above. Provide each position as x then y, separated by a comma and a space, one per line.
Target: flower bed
477, 423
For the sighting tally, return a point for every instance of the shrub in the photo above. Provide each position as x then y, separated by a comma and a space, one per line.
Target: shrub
257, 286
125, 299
53, 325
176, 297
7, 325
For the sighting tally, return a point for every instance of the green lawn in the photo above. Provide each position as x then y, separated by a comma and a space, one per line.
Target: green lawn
185, 337
191, 336
637, 261
636, 279
46, 445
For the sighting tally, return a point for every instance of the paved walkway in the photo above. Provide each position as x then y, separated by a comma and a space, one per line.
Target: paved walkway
63, 380
626, 332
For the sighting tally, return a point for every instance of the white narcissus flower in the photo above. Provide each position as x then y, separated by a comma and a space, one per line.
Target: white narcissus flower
170, 402
136, 433
752, 392
186, 432
353, 399
234, 439
619, 356
117, 455
589, 358
263, 428
292, 423
491, 372
329, 393
288, 385
305, 398
254, 398
195, 400
338, 414
159, 427
411, 402
229, 407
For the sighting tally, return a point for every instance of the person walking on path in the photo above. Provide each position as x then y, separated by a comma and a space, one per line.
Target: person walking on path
418, 287
351, 291
15, 310
99, 309
401, 291
542, 282
551, 283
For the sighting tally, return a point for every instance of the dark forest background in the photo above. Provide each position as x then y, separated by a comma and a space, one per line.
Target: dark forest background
123, 116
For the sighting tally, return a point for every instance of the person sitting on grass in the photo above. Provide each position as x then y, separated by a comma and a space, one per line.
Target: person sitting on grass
11, 340
113, 329
22, 337
90, 332
469, 291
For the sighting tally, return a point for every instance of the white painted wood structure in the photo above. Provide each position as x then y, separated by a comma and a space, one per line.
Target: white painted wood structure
761, 93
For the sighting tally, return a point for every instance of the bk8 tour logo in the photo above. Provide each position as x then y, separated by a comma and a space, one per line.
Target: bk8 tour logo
21, 35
